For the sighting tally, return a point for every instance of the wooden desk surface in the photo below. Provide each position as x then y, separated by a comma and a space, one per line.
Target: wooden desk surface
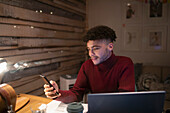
36, 99
33, 100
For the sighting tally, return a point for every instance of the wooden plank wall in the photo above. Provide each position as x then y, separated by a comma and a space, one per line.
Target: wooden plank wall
40, 36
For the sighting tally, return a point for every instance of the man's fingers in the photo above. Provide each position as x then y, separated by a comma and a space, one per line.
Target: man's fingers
49, 93
46, 86
48, 89
52, 95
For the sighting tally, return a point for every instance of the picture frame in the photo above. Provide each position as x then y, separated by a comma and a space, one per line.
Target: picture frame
132, 38
155, 38
132, 11
155, 12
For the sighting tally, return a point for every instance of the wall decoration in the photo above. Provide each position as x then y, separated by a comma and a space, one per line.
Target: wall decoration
155, 38
132, 11
155, 12
131, 38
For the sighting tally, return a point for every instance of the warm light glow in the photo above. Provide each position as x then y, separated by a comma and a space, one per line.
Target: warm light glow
40, 11
128, 4
21, 65
51, 13
32, 27
16, 65
3, 66
25, 64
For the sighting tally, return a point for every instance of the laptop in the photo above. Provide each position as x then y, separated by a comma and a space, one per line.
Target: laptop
127, 102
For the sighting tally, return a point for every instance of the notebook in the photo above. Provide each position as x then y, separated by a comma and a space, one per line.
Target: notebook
128, 102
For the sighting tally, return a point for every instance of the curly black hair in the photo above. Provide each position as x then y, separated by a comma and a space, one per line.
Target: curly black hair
100, 32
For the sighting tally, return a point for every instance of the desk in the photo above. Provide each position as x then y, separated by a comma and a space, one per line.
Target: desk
36, 99
33, 100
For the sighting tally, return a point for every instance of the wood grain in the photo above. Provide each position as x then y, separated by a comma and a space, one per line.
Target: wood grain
41, 36
24, 14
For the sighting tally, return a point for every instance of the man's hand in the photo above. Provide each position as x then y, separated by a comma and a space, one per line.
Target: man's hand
49, 92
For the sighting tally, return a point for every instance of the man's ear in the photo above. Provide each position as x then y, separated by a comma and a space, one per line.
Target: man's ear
110, 46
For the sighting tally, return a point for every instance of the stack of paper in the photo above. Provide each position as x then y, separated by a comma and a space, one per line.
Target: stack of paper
59, 107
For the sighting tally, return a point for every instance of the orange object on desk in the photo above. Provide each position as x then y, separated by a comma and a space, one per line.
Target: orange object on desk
7, 97
25, 101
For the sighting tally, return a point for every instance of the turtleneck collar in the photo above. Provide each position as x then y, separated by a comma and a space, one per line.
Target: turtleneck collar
107, 63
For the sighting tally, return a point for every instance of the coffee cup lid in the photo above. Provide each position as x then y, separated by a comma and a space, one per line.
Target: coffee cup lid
75, 107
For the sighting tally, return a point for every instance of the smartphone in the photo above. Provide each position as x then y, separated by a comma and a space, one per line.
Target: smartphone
47, 81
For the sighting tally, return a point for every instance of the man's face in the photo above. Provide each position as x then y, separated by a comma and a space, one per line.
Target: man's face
99, 50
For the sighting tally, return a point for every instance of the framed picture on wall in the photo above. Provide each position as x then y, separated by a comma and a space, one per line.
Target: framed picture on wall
132, 38
155, 38
155, 11
132, 11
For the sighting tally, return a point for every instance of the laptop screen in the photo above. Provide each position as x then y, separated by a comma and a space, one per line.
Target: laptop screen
127, 102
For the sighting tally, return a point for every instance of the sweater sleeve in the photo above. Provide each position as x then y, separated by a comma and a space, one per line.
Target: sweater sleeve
127, 77
76, 93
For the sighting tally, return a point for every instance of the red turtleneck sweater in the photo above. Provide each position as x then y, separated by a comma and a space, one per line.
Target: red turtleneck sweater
116, 74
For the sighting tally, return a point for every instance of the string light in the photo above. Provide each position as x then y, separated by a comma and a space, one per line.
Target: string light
51, 13
25, 64
16, 65
21, 65
32, 27
128, 4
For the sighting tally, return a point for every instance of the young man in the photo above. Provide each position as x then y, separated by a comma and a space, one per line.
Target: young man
103, 73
